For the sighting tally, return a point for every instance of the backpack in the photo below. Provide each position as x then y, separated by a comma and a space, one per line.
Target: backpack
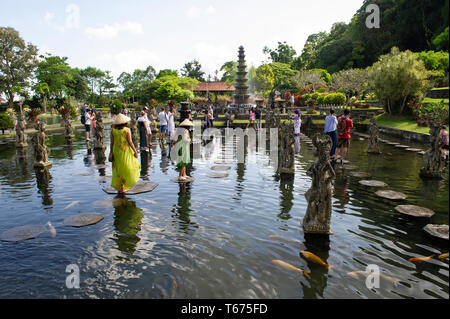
342, 126
83, 119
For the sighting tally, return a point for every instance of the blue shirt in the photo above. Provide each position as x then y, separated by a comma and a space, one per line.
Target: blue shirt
331, 123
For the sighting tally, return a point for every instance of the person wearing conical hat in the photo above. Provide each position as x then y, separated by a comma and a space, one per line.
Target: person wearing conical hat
124, 156
183, 147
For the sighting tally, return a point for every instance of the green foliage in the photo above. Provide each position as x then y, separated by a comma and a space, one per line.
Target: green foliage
351, 81
321, 99
434, 61
333, 98
6, 121
396, 78
264, 79
433, 113
284, 53
167, 72
440, 42
193, 70
282, 76
229, 72
183, 95
326, 77
118, 104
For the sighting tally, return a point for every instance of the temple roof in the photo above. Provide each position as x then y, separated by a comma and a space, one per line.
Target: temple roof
215, 87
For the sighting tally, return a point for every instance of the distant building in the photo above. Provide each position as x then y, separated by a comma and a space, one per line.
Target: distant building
218, 88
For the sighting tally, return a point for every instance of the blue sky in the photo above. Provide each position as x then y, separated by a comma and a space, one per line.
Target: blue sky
120, 35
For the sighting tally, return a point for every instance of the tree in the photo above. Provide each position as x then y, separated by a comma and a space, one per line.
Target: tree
396, 78
305, 78
193, 70
43, 90
56, 73
440, 42
229, 72
17, 62
94, 77
284, 53
352, 82
167, 72
264, 79
6, 122
282, 76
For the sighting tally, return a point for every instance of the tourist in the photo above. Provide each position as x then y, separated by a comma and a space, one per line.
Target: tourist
94, 118
258, 118
126, 168
171, 124
330, 129
297, 122
210, 116
345, 124
292, 100
183, 156
125, 111
445, 141
252, 118
88, 117
84, 108
162, 118
143, 132
148, 122
205, 120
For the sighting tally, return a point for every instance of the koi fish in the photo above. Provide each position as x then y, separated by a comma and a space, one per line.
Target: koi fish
443, 256
314, 258
287, 266
52, 229
420, 259
71, 205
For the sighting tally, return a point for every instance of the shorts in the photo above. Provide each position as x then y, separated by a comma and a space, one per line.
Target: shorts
87, 127
343, 142
445, 147
163, 129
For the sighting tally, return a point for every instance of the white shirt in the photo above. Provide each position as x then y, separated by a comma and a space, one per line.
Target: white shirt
147, 122
331, 123
162, 117
87, 117
171, 122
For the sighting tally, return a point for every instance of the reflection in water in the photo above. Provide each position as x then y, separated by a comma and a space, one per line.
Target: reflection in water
127, 223
340, 190
43, 179
165, 159
319, 245
286, 195
297, 144
145, 165
183, 208
100, 157
69, 149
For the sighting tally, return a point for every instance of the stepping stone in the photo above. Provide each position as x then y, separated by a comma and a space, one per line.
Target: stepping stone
392, 143
140, 188
223, 162
373, 183
220, 168
22, 233
402, 146
218, 175
350, 167
391, 195
82, 220
413, 210
187, 180
361, 174
361, 139
421, 153
414, 149
440, 231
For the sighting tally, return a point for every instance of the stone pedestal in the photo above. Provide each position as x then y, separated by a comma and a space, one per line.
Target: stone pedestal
21, 138
41, 150
434, 162
68, 130
374, 132
99, 133
319, 196
286, 150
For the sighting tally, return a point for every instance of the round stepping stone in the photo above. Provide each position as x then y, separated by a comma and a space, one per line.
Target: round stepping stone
391, 195
218, 175
350, 167
414, 149
440, 231
373, 183
223, 162
413, 210
361, 174
82, 220
220, 168
187, 180
22, 233
402, 146
140, 188
392, 143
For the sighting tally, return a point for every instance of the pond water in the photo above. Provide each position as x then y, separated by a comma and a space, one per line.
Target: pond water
214, 238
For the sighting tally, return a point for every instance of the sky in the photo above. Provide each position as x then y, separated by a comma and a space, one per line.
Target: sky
121, 36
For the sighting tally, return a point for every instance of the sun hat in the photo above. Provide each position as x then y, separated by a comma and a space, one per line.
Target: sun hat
121, 119
187, 122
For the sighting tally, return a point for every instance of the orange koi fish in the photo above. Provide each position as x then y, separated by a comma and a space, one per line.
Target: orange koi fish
287, 266
314, 258
443, 256
420, 259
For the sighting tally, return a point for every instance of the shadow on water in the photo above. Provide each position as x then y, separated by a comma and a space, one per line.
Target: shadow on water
286, 195
182, 211
43, 179
127, 223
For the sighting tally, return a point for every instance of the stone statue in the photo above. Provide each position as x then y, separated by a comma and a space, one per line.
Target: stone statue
21, 138
374, 147
286, 149
99, 132
318, 213
41, 150
133, 127
434, 162
68, 132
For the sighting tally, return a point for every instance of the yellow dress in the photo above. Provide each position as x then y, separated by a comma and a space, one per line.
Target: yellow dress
125, 168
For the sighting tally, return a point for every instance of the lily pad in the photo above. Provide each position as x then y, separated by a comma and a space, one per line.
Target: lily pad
220, 168
140, 188
218, 175
373, 183
22, 233
391, 195
440, 231
413, 210
82, 220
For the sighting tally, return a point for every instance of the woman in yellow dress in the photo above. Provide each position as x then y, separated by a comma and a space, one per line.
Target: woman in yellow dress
124, 156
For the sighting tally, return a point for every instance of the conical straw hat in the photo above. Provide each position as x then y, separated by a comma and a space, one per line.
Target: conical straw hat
187, 122
121, 119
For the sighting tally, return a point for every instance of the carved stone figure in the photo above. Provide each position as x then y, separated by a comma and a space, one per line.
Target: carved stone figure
286, 149
374, 147
133, 127
434, 162
41, 150
99, 132
318, 213
68, 131
21, 138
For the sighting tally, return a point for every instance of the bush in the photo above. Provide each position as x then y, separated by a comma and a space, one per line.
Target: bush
6, 122
321, 99
118, 104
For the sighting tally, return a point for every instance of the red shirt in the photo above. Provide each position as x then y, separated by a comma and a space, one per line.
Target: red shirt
349, 125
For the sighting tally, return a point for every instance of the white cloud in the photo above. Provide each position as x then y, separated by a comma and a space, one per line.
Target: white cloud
212, 56
72, 16
196, 12
48, 17
130, 60
109, 32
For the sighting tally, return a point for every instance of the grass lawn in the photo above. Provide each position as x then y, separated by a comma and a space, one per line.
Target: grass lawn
437, 89
430, 100
402, 122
